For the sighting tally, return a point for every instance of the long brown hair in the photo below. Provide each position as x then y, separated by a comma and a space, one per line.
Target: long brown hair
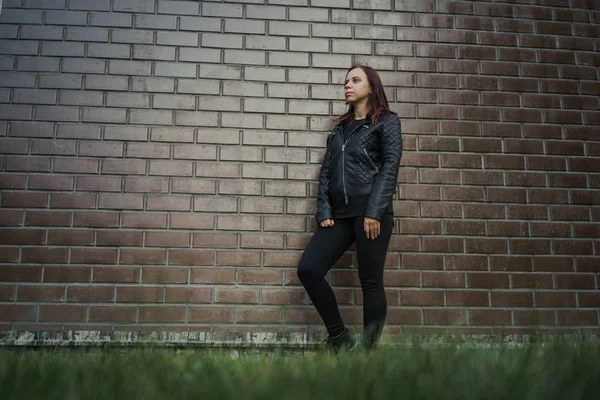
377, 101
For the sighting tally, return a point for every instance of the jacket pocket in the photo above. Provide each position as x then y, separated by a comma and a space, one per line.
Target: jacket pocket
371, 161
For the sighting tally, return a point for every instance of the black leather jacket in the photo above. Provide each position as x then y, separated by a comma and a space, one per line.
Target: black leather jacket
367, 162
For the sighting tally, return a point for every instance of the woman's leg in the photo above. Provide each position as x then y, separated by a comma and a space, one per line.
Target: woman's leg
371, 260
323, 250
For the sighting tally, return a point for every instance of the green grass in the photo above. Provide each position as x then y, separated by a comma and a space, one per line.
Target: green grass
533, 371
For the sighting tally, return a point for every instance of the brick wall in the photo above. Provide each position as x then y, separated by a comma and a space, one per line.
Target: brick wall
159, 160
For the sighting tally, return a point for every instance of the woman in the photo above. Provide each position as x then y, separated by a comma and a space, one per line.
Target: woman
356, 185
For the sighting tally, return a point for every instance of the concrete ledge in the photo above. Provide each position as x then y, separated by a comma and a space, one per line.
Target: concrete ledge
294, 342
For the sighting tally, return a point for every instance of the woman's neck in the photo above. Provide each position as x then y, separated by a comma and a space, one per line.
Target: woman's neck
361, 110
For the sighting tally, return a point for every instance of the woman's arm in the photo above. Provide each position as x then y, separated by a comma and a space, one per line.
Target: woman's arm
385, 182
324, 209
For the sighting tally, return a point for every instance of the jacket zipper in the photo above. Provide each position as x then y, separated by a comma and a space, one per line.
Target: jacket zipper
344, 162
371, 161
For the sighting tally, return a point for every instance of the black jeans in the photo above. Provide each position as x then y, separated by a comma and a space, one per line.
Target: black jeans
324, 249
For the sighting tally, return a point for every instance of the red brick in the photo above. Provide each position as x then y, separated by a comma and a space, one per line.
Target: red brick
67, 273
285, 258
211, 314
27, 164
555, 299
589, 299
124, 167
118, 238
112, 314
139, 294
463, 193
269, 315
73, 200
261, 241
487, 280
507, 228
168, 203
212, 275
444, 316
44, 255
186, 295
467, 298
164, 275
216, 239
9, 254
12, 181
191, 257
144, 220
439, 176
443, 279
238, 258
146, 185
422, 298
464, 262
534, 317
22, 236
569, 213
283, 296
162, 314
24, 199
90, 294
554, 264
75, 237
404, 315
118, 274
18, 312
588, 264
50, 182
573, 247
242, 296
510, 263
419, 192
484, 211
7, 293
442, 245
142, 256
93, 256
531, 281
461, 227
44, 293
550, 229
194, 185
490, 317
506, 195
487, 246
422, 261
167, 239
530, 246
96, 219
436, 210
121, 201
304, 315
260, 277
462, 128
504, 162
529, 212
567, 180
548, 196
99, 183
577, 317
62, 313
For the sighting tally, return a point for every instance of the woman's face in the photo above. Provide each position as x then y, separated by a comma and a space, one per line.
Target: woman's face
356, 87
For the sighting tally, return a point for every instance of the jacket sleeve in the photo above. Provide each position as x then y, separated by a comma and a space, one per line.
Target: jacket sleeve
384, 185
324, 209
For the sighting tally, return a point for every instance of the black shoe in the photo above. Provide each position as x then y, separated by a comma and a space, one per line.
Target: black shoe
343, 343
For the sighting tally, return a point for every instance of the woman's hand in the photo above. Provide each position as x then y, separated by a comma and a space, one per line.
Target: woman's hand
372, 228
326, 223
